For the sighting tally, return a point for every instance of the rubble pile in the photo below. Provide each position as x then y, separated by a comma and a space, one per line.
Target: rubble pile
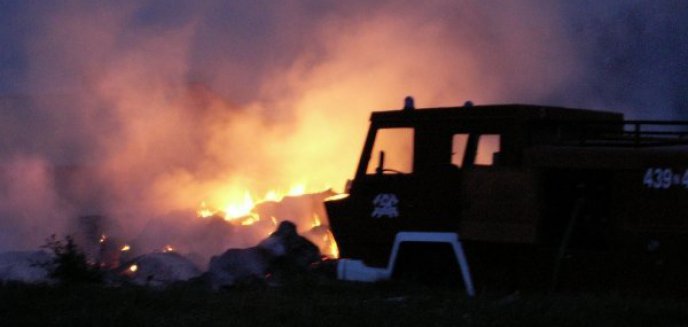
210, 246
159, 269
284, 253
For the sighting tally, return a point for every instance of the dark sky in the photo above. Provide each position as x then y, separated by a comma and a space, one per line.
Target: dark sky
13, 59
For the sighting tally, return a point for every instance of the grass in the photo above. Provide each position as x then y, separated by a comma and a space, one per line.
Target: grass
324, 304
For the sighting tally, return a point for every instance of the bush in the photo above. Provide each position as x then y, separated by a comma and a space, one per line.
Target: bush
70, 264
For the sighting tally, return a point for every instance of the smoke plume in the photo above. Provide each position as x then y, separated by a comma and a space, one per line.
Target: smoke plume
154, 107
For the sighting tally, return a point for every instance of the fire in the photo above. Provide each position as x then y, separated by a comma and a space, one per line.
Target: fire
239, 209
272, 196
168, 248
328, 239
102, 239
133, 268
204, 211
339, 196
242, 207
297, 189
126, 248
252, 219
316, 221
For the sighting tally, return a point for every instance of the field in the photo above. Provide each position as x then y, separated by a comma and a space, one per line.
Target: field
324, 304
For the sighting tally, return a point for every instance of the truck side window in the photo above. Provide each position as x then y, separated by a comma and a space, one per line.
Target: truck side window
487, 150
397, 145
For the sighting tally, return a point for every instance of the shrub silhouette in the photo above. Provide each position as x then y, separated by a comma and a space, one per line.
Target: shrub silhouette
70, 265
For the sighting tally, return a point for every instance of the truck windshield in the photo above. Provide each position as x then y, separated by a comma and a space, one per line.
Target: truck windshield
397, 146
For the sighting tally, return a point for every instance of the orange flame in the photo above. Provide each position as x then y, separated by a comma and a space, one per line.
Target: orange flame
297, 189
204, 211
331, 244
241, 207
272, 196
240, 210
252, 219
134, 268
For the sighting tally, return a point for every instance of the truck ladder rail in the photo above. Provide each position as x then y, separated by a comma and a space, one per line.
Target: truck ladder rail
629, 133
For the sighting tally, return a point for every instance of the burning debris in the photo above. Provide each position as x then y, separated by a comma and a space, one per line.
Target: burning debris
207, 232
262, 216
280, 256
275, 259
291, 232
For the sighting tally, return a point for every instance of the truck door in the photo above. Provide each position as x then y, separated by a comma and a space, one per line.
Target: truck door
411, 168
389, 183
499, 201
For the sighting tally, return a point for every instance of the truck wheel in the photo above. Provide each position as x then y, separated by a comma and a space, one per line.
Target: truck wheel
432, 264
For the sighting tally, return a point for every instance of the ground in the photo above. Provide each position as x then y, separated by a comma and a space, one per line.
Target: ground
325, 304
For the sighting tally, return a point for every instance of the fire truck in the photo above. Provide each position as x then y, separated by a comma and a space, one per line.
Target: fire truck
533, 195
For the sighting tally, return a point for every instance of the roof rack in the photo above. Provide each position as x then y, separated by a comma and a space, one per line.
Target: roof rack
630, 133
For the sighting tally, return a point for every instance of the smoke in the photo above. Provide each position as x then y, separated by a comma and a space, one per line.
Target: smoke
161, 105
29, 206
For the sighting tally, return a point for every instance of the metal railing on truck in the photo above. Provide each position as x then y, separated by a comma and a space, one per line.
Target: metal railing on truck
629, 133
